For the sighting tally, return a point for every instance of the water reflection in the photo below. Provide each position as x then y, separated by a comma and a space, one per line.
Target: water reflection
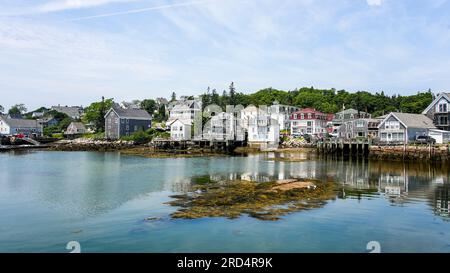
87, 184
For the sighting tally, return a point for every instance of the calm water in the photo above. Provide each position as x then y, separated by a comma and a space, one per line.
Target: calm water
101, 200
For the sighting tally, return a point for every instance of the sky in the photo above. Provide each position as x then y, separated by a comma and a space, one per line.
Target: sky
72, 52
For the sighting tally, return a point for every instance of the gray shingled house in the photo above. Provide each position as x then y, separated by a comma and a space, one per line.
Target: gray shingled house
404, 127
121, 122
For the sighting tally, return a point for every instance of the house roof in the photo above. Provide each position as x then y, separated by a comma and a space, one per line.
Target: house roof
439, 131
71, 111
412, 120
350, 111
20, 123
130, 113
185, 122
78, 125
438, 98
308, 110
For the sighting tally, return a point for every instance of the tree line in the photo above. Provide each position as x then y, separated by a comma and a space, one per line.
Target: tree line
325, 100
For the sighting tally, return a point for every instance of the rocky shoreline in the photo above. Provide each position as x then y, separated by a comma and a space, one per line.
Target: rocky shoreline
82, 144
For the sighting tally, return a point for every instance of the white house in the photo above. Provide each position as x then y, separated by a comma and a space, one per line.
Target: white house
188, 110
441, 136
282, 113
224, 126
180, 130
263, 131
12, 126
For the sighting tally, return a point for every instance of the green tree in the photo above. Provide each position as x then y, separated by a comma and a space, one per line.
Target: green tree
95, 113
17, 110
232, 94
149, 105
173, 97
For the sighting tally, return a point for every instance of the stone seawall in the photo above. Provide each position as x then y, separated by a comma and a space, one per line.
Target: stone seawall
434, 153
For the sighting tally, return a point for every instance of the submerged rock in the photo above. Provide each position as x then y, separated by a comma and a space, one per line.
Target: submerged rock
265, 201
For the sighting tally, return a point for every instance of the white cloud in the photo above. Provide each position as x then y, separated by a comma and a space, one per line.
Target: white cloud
374, 2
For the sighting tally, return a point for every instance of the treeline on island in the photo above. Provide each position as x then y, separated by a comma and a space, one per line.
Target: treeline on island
325, 100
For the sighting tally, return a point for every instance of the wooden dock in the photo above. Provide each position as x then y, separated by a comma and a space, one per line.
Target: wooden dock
344, 147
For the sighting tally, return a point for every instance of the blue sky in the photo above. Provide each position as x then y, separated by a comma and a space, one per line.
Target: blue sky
74, 51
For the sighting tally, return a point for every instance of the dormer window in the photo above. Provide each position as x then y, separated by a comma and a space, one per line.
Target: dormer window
443, 107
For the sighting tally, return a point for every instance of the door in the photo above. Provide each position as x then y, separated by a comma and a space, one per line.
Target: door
389, 137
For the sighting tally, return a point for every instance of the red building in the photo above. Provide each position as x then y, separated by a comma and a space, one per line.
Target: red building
309, 121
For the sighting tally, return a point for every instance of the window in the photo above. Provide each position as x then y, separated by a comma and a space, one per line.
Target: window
443, 120
383, 136
135, 128
181, 128
360, 123
443, 107
310, 116
309, 123
302, 116
392, 125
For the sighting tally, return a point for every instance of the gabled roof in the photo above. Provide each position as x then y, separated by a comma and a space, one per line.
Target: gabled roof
71, 111
309, 110
411, 120
350, 111
185, 122
20, 123
78, 125
438, 98
130, 113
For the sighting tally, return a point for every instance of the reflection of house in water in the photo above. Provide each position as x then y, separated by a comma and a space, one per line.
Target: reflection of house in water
441, 199
393, 185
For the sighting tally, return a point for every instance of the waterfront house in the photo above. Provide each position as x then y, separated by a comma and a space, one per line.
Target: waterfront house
282, 113
441, 136
404, 127
27, 127
359, 128
224, 126
186, 110
439, 111
348, 115
180, 130
75, 129
121, 122
309, 121
263, 131
74, 112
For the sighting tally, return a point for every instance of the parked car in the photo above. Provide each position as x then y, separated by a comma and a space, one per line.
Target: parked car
425, 140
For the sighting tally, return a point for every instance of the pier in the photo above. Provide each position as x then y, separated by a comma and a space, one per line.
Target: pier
344, 147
